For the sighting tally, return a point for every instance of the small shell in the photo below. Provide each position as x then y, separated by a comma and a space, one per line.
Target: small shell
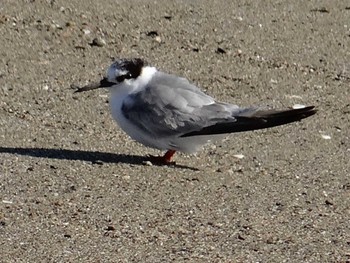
238, 156
326, 137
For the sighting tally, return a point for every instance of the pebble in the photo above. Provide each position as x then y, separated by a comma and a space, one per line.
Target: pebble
158, 39
126, 177
238, 156
147, 163
326, 137
98, 41
86, 31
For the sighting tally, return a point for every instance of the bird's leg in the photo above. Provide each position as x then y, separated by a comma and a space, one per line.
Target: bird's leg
168, 155
163, 160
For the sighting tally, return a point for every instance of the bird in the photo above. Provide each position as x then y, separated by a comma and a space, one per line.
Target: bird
167, 112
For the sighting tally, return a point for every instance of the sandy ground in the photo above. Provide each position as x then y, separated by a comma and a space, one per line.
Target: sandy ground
73, 185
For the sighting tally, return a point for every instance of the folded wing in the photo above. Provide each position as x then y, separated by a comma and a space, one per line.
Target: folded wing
172, 107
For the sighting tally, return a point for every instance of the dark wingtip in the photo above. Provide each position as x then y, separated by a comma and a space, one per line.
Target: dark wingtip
305, 112
312, 110
257, 121
301, 112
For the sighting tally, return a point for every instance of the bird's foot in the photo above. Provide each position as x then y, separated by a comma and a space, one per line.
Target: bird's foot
163, 160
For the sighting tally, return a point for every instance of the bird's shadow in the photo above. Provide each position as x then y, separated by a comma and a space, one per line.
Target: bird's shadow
95, 157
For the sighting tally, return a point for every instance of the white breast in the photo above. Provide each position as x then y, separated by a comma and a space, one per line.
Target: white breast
132, 130
119, 94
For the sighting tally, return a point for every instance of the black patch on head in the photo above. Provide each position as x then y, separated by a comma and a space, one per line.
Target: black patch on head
133, 67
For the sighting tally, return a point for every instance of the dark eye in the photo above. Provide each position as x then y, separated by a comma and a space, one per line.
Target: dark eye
128, 76
121, 78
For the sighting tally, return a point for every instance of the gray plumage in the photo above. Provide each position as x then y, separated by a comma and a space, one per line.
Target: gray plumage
171, 106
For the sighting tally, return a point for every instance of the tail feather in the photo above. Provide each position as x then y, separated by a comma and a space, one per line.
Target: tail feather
256, 121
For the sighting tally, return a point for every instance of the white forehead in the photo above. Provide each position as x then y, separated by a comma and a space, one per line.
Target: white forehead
113, 72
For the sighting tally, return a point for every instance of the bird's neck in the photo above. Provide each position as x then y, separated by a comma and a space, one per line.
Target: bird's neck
145, 76
130, 86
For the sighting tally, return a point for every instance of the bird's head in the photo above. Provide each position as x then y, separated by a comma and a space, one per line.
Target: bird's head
122, 70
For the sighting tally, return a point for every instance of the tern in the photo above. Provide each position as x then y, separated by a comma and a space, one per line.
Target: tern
167, 112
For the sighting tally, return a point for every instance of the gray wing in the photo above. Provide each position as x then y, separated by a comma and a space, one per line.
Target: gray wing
171, 106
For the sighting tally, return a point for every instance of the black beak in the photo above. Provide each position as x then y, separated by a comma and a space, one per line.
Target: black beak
104, 83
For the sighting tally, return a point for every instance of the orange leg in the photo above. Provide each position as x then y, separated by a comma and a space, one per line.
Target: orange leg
163, 160
168, 155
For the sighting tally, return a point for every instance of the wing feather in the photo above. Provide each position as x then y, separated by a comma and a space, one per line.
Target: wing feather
171, 106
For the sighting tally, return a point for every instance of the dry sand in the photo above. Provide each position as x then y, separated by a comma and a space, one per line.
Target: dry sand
73, 187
